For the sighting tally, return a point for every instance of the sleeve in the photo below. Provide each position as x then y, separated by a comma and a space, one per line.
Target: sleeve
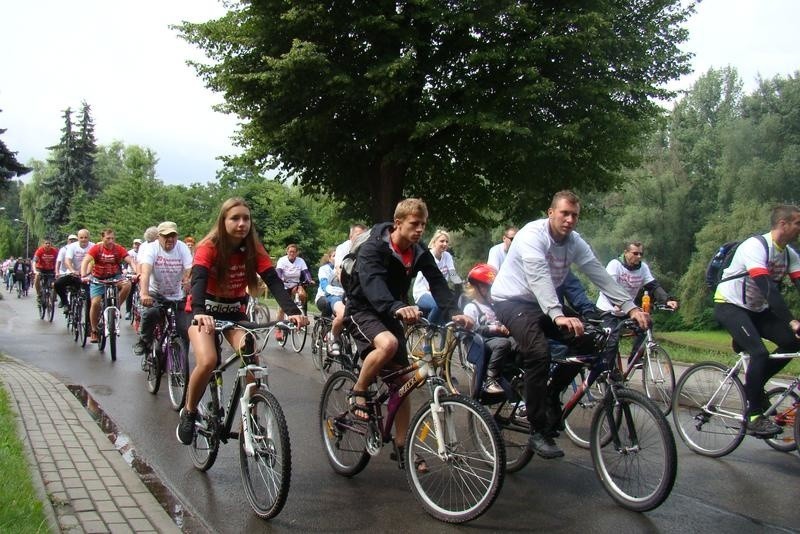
754, 257
324, 275
493, 258
148, 256
198, 291
534, 253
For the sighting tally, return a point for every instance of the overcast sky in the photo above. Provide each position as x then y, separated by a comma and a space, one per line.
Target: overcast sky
122, 58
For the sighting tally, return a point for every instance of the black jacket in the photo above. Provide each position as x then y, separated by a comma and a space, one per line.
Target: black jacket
380, 281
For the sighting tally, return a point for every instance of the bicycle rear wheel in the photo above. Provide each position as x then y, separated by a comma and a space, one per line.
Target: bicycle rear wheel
463, 484
658, 377
637, 466
259, 314
578, 423
343, 436
708, 409
317, 344
784, 416
177, 372
299, 336
205, 445
154, 366
515, 430
267, 473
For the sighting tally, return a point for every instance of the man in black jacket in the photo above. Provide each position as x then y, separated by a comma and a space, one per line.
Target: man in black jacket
377, 303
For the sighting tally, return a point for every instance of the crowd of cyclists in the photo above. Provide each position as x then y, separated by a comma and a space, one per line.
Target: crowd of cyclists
524, 300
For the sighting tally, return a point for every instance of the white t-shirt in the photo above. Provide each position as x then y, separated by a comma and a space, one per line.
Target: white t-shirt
751, 258
292, 271
75, 254
631, 280
445, 264
497, 255
62, 267
168, 267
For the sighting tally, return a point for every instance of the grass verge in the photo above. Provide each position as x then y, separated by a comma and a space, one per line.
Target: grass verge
20, 508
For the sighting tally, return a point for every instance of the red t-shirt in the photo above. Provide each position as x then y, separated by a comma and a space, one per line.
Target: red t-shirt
107, 261
205, 255
45, 258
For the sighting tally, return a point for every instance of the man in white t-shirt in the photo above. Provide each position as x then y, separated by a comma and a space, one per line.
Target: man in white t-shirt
165, 266
62, 270
73, 256
497, 254
748, 303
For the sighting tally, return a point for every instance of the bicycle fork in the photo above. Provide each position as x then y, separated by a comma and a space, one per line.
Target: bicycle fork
258, 373
436, 412
610, 403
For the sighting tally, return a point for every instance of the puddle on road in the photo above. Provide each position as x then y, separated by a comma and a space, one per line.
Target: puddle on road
122, 443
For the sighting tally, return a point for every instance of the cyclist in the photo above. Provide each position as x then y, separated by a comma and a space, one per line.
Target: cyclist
22, 268
165, 267
526, 301
444, 260
229, 259
330, 300
61, 268
73, 257
344, 247
294, 272
44, 263
377, 302
133, 252
748, 303
497, 254
104, 261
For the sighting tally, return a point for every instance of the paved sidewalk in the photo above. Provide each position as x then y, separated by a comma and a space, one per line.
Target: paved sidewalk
88, 485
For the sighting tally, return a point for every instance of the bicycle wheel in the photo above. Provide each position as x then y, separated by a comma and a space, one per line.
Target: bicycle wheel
797, 431
317, 344
463, 484
205, 445
578, 423
101, 333
87, 325
177, 372
40, 303
784, 416
266, 474
708, 409
51, 305
154, 366
77, 318
458, 372
112, 336
343, 436
299, 336
637, 466
414, 335
515, 430
658, 377
260, 314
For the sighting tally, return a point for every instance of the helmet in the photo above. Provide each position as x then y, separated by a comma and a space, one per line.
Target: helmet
482, 273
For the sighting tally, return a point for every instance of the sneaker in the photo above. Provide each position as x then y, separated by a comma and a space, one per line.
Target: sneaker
544, 446
522, 411
128, 316
493, 387
185, 430
93, 338
279, 336
140, 348
761, 427
333, 347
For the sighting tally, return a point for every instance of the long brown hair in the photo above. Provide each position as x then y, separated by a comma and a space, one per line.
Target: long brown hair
225, 245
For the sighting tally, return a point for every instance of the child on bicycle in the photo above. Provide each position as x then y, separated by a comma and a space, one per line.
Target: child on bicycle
498, 343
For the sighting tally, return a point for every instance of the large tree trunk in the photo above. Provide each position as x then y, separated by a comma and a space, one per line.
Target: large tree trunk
386, 190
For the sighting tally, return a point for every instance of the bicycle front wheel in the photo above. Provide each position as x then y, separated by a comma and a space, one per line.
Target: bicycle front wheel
299, 336
458, 372
343, 436
463, 481
112, 336
153, 365
784, 416
267, 472
51, 305
259, 314
41, 305
317, 342
205, 444
658, 377
638, 464
177, 372
708, 409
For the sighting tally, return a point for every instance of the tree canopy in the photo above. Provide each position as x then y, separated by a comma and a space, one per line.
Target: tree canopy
9, 166
470, 105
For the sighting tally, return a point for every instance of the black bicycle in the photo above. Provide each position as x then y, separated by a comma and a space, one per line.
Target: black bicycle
168, 354
327, 362
47, 296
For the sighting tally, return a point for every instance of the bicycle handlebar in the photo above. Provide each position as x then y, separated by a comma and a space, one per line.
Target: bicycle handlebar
221, 326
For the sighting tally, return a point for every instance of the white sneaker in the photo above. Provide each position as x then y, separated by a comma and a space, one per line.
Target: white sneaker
333, 346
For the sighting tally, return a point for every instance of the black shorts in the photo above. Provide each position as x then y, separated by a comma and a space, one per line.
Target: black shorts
365, 327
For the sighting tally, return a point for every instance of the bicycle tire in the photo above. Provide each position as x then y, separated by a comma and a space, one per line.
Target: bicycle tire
41, 305
343, 437
153, 379
658, 377
463, 486
284, 338
635, 483
77, 318
578, 424
112, 336
515, 431
266, 476
707, 431
797, 432
51, 305
87, 325
317, 342
101, 333
260, 314
205, 443
458, 372
177, 372
784, 416
299, 336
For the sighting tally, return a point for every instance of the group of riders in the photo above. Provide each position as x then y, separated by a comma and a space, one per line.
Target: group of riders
525, 300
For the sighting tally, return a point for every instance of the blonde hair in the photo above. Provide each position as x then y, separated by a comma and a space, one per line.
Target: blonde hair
410, 206
436, 235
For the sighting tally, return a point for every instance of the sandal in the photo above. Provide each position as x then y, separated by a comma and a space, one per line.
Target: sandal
419, 463
360, 410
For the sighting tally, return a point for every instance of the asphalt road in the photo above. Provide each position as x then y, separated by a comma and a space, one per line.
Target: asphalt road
754, 489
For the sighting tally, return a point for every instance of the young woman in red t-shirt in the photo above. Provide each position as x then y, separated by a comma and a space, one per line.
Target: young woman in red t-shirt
227, 261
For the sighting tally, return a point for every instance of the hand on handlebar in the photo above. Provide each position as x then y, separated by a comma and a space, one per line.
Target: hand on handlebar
408, 314
299, 320
572, 324
464, 320
205, 323
642, 318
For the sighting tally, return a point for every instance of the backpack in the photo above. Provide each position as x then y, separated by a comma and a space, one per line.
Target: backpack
349, 267
722, 259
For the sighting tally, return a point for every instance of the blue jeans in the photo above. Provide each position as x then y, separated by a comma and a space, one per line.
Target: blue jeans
429, 308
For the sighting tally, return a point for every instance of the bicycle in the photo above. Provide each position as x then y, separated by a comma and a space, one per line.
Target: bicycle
257, 312
136, 313
709, 407
110, 316
264, 448
632, 446
47, 296
323, 360
169, 353
450, 348
453, 435
298, 335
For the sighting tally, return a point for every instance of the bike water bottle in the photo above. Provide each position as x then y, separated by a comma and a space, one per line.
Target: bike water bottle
646, 302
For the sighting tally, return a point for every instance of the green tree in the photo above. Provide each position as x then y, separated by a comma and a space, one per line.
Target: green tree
9, 166
85, 152
61, 183
470, 105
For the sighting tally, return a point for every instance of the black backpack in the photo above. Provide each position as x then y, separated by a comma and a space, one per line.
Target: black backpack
722, 259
